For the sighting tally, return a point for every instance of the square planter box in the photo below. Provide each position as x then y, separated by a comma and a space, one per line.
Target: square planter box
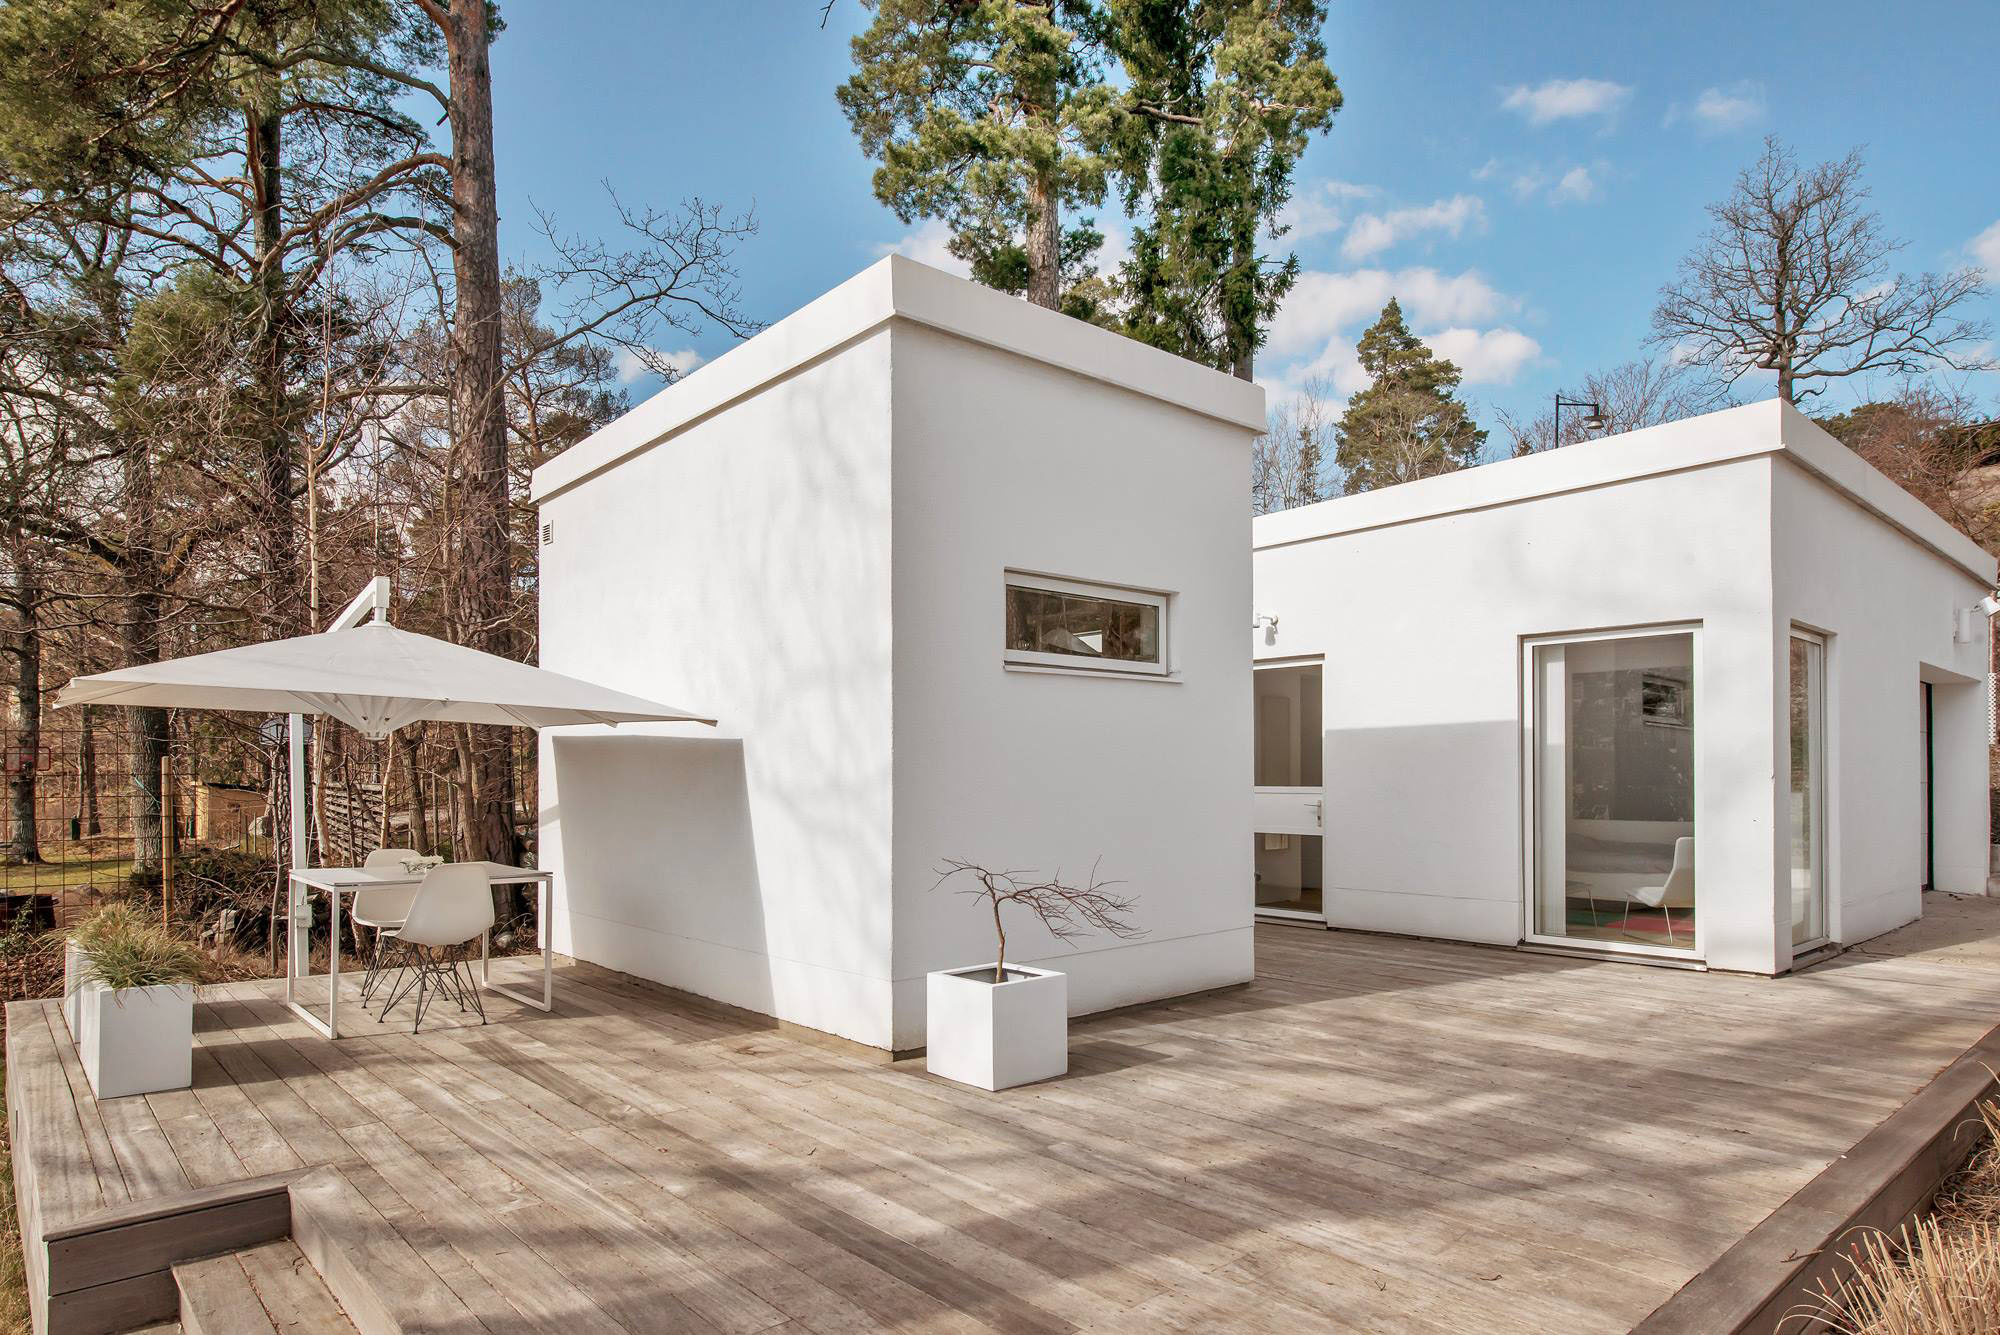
997, 1035
135, 1040
72, 984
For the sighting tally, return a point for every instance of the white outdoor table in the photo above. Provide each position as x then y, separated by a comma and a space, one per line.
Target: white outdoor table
337, 881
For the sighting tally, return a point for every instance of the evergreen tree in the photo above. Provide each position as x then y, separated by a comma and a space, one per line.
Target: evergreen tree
1221, 99
1406, 424
986, 114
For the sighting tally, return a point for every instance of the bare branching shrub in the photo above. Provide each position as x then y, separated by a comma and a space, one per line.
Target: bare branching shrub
1070, 912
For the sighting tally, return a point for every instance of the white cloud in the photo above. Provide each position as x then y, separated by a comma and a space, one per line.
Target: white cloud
1720, 110
1321, 208
1566, 99
1325, 306
1577, 186
631, 367
927, 244
1486, 356
1376, 232
1985, 249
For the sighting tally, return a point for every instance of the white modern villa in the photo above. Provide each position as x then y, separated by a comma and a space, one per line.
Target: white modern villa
962, 579
965, 579
1710, 692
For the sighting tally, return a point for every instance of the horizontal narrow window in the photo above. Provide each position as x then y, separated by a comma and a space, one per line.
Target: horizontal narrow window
1067, 623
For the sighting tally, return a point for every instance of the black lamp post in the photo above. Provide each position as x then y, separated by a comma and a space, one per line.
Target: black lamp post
1593, 420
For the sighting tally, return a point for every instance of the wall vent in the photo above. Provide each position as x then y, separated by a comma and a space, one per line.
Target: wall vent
548, 531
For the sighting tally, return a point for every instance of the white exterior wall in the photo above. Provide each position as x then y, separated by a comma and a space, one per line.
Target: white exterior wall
746, 564
1888, 607
1420, 598
1422, 626
1003, 463
808, 537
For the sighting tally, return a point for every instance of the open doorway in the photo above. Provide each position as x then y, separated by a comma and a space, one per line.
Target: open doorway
1289, 802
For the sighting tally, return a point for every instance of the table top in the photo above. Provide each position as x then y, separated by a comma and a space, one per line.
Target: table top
357, 878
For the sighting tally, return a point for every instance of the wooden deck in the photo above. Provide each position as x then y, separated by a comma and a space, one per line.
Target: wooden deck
1377, 1134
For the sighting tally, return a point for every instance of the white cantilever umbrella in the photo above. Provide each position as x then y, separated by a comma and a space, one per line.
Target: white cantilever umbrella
371, 676
374, 678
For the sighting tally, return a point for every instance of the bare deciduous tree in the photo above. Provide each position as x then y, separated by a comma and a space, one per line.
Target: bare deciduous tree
1287, 462
1070, 912
1794, 277
1642, 393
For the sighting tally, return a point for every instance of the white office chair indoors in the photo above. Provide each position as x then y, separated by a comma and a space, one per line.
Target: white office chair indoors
381, 910
453, 909
1676, 893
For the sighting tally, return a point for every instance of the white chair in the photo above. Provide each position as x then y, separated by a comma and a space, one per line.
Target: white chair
381, 910
1676, 893
452, 910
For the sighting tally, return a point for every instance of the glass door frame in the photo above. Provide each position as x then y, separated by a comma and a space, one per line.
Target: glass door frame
1531, 786
1817, 704
1316, 795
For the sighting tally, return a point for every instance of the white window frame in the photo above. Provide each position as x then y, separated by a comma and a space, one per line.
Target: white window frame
1697, 954
1120, 593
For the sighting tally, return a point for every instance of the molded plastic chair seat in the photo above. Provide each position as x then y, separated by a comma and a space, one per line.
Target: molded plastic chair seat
453, 909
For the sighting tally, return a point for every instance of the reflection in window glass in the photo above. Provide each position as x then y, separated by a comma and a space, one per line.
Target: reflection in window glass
1049, 621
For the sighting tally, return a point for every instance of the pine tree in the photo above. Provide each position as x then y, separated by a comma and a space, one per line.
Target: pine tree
1406, 424
1221, 98
986, 114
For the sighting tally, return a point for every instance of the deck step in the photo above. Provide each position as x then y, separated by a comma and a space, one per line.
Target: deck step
270, 1288
381, 1282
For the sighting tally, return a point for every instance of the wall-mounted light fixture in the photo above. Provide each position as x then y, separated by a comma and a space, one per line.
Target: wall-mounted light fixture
1965, 624
1593, 420
1269, 625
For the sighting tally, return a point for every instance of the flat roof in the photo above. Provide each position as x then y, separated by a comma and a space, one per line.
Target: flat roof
1769, 428
898, 288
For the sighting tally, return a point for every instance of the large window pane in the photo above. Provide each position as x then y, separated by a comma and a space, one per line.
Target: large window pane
1614, 790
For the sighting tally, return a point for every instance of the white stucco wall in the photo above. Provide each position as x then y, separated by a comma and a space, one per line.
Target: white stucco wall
746, 564
1004, 463
1887, 605
1420, 598
809, 537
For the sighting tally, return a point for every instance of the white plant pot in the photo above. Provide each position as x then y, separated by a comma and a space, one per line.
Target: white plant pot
997, 1035
135, 1040
73, 971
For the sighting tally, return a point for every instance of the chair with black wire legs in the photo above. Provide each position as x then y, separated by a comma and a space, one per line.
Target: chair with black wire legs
452, 911
381, 910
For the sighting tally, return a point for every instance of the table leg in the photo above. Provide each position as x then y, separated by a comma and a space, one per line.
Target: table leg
548, 999
333, 962
302, 960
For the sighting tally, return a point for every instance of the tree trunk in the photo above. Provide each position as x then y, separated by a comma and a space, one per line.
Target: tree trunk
139, 641
479, 578
25, 846
276, 535
1044, 245
407, 743
89, 819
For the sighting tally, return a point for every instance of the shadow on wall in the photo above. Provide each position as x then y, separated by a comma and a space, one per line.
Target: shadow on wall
660, 861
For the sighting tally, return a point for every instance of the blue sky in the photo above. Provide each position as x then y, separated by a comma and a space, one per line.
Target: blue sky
1523, 177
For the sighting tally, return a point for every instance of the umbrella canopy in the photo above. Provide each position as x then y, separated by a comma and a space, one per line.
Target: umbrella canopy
373, 677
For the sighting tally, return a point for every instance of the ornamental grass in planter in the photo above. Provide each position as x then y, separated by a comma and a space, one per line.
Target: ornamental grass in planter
129, 1000
994, 1026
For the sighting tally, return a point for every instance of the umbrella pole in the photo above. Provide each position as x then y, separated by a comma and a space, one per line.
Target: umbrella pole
300, 924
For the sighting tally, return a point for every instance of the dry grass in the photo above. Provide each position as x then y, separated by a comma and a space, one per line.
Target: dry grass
1940, 1276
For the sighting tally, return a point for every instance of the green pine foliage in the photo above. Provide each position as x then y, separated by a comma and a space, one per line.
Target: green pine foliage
1407, 424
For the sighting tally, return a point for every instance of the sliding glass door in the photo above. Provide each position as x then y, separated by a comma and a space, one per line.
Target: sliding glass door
1612, 838
1808, 788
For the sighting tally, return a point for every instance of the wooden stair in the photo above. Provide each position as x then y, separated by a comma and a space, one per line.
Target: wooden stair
269, 1288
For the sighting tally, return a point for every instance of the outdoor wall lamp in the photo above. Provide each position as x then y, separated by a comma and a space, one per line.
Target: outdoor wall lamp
1593, 420
1967, 620
1269, 625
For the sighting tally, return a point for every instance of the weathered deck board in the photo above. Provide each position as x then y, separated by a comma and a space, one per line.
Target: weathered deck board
1378, 1134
